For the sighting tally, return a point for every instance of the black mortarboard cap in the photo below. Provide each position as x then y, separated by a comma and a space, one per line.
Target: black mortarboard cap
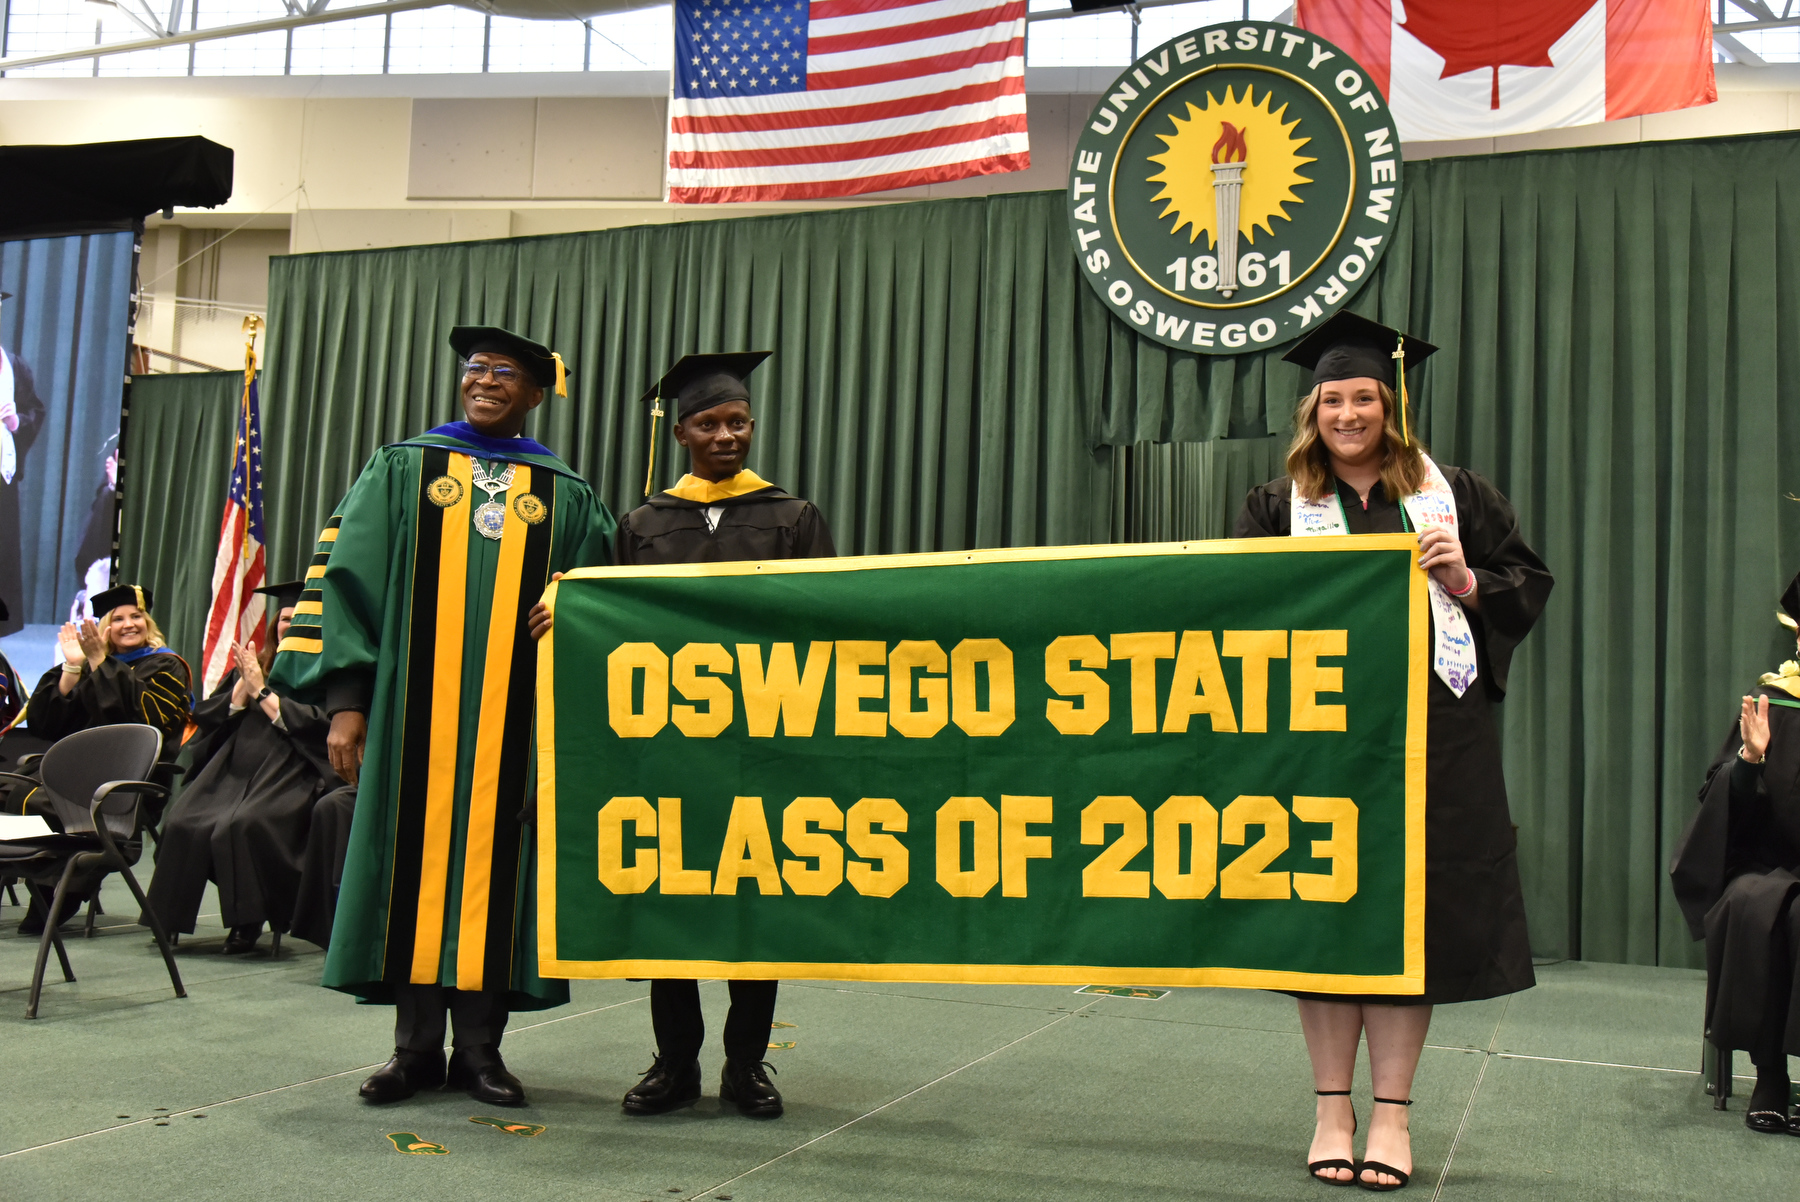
701, 381
545, 365
122, 594
1349, 347
285, 594
1790, 604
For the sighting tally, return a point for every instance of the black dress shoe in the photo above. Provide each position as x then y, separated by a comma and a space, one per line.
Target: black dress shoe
404, 1075
242, 939
748, 1085
669, 1084
479, 1070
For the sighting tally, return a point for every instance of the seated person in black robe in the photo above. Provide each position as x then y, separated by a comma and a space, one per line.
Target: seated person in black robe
115, 669
1736, 875
243, 818
720, 511
322, 865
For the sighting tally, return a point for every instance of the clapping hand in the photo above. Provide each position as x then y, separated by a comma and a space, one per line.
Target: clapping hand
249, 668
93, 643
1753, 728
68, 641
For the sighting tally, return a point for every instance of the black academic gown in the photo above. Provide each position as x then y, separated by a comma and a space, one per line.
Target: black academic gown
153, 690
765, 524
243, 818
322, 865
762, 525
1736, 876
1476, 945
30, 409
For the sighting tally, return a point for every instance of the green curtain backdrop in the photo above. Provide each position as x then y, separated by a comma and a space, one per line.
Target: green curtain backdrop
1612, 325
176, 468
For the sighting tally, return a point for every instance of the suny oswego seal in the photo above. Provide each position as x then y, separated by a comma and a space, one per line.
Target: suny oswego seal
1234, 187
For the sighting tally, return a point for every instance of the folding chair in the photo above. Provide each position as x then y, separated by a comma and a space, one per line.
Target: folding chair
93, 782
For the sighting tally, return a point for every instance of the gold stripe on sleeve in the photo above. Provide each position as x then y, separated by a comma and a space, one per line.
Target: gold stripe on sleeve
305, 646
446, 714
503, 629
328, 535
309, 607
315, 572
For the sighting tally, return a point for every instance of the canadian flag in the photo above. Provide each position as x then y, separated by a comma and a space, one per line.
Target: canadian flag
1484, 68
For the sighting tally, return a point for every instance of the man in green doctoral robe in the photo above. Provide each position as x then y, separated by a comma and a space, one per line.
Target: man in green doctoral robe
412, 633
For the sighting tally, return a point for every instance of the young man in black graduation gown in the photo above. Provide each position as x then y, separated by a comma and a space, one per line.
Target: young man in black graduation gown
242, 819
720, 511
1736, 875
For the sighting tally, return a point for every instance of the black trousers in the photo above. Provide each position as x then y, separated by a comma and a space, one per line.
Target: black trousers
680, 1028
420, 1012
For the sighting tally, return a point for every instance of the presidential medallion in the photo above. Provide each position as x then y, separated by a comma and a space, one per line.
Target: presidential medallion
1234, 187
530, 507
490, 519
444, 492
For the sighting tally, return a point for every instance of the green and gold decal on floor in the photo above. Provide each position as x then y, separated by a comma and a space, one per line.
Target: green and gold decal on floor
414, 1145
511, 1127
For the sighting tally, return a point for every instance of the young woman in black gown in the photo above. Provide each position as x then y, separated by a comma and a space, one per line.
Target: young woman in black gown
1359, 471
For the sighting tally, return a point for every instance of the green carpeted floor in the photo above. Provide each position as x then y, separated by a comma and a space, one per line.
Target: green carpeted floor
1585, 1087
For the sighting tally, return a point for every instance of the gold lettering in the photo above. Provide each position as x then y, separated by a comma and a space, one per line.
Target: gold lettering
952, 816
1307, 679
1256, 648
1017, 845
613, 873
1106, 875
981, 723
747, 851
675, 878
934, 691
799, 837
865, 830
852, 686
621, 667
784, 692
1338, 885
1144, 650
1198, 816
1199, 687
1060, 674
702, 723
1245, 877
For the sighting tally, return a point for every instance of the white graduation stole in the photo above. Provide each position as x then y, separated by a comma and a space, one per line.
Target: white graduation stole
1433, 505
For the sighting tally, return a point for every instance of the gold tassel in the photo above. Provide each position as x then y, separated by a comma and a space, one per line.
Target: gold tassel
562, 386
1400, 370
656, 411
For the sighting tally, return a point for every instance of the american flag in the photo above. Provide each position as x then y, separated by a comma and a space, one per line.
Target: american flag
790, 100
238, 569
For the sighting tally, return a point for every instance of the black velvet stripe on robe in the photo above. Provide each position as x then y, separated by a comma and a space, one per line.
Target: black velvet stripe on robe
1736, 876
243, 819
1476, 943
762, 525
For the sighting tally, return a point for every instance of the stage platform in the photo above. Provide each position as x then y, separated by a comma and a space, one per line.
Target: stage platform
1585, 1087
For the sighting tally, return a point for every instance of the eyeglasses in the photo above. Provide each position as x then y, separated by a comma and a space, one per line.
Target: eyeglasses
501, 375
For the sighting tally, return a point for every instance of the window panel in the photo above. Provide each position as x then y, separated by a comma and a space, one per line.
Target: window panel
519, 45
436, 41
1161, 24
252, 54
1103, 39
341, 48
635, 41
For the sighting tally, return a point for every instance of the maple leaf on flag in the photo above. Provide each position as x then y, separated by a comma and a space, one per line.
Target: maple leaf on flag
1472, 34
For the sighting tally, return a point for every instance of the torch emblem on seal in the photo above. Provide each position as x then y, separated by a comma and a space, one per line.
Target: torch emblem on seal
1230, 155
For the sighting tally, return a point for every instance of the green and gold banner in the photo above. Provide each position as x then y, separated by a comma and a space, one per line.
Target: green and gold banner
1183, 764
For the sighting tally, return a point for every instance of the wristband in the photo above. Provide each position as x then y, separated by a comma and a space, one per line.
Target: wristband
71, 671
266, 692
1468, 590
1744, 754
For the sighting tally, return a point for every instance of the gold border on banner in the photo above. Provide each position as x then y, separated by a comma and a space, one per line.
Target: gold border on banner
1410, 980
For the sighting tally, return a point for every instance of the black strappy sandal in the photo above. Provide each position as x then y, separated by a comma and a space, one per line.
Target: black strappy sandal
1375, 1166
1313, 1166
